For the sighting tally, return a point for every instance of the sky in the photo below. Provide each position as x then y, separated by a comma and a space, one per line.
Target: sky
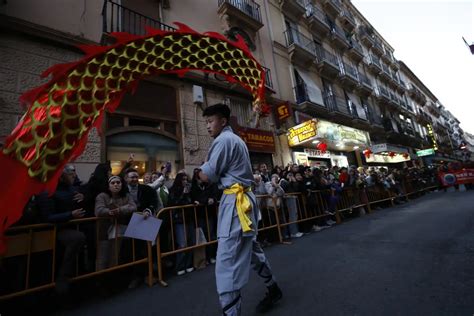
427, 36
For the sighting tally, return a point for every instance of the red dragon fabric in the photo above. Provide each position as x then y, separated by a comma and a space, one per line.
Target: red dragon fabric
60, 113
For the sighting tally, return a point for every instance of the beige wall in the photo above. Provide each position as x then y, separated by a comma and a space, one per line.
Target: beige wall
79, 18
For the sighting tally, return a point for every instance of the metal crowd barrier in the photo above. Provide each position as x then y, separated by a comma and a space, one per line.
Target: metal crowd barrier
30, 241
25, 242
186, 220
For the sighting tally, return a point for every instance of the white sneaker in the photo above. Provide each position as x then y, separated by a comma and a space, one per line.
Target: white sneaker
189, 270
297, 235
180, 272
330, 222
212, 261
329, 213
316, 228
325, 226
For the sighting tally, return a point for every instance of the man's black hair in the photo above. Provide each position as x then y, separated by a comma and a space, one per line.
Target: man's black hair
219, 109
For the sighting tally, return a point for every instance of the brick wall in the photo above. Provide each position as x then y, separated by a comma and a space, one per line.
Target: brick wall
22, 59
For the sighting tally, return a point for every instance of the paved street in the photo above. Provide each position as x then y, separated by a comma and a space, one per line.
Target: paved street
413, 259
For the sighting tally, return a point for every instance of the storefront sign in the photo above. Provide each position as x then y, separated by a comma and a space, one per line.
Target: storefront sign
382, 148
457, 177
387, 159
315, 153
302, 132
300, 158
282, 112
257, 140
340, 133
425, 152
431, 136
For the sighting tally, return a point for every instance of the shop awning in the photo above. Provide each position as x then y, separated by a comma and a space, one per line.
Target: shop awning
387, 153
314, 93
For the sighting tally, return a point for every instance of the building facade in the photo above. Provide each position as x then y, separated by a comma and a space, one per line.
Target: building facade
335, 88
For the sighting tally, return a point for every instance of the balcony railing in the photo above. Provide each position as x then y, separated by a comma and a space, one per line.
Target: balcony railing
364, 79
375, 60
248, 7
378, 45
325, 55
384, 92
336, 104
292, 36
117, 18
351, 71
348, 15
385, 69
268, 77
355, 45
338, 32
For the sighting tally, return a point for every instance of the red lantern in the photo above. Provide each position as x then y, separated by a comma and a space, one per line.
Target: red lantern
406, 155
322, 146
391, 154
367, 153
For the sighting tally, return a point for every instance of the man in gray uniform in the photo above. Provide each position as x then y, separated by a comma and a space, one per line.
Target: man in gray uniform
228, 164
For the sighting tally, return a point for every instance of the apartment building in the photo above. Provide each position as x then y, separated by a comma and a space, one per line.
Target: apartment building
160, 122
334, 85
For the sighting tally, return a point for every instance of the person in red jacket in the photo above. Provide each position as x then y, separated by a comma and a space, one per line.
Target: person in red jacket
343, 176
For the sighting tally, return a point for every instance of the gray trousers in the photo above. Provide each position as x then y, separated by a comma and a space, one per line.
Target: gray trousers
231, 300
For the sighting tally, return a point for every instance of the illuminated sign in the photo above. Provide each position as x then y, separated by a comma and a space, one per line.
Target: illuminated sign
283, 112
302, 132
316, 153
340, 133
432, 137
425, 152
300, 158
387, 159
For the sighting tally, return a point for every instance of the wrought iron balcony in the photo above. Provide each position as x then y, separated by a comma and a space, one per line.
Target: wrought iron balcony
317, 21
364, 86
339, 38
366, 36
355, 50
304, 101
327, 63
117, 18
348, 76
374, 64
293, 8
333, 7
385, 72
336, 105
378, 48
347, 20
242, 12
302, 50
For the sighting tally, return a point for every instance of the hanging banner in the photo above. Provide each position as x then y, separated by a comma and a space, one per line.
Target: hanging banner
457, 177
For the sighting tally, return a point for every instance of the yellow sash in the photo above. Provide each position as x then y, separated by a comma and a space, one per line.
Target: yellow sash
242, 203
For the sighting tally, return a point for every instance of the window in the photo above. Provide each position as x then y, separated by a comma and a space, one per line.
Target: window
234, 31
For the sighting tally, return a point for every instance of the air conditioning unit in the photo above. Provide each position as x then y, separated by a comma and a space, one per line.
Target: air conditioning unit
198, 94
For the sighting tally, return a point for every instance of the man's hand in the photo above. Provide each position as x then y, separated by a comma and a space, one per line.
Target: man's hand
79, 213
78, 197
147, 213
114, 212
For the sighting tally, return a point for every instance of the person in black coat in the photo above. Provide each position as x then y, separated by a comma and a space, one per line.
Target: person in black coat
64, 205
206, 195
146, 200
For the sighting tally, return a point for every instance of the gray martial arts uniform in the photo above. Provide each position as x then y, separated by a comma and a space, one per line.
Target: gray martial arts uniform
228, 163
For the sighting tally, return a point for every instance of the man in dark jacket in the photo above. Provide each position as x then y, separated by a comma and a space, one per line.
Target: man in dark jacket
146, 200
64, 205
